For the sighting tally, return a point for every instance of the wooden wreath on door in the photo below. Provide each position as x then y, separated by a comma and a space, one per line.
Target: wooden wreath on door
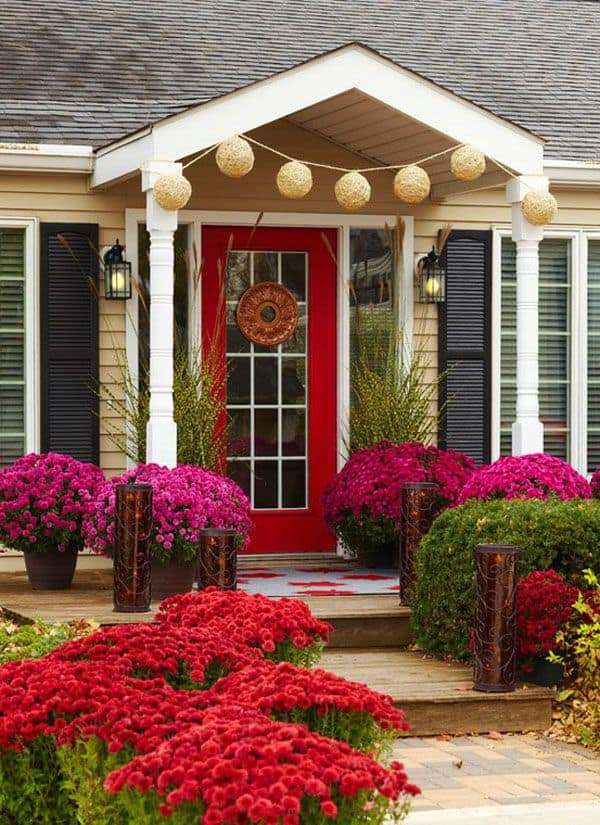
267, 314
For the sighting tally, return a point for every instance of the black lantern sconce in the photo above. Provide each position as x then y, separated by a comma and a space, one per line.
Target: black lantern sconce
432, 279
117, 274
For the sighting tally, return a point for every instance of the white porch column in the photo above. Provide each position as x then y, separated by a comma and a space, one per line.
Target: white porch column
161, 433
527, 430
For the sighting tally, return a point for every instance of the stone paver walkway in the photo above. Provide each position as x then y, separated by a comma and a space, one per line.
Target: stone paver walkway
470, 772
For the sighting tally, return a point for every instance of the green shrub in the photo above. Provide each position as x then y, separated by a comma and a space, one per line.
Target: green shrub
560, 534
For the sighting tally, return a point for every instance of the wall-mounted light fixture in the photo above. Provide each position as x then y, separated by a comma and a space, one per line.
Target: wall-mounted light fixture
432, 279
117, 274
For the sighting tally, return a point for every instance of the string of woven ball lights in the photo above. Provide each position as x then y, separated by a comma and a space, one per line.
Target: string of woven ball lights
235, 159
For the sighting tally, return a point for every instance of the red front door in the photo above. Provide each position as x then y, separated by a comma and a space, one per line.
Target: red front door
281, 400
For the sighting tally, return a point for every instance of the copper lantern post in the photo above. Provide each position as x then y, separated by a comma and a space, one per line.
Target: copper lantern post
495, 667
417, 512
133, 529
217, 559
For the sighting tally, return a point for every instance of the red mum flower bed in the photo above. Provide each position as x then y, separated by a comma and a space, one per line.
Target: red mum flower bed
544, 606
135, 703
186, 657
320, 700
234, 771
284, 629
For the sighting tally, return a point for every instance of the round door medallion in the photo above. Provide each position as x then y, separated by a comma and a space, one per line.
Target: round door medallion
267, 314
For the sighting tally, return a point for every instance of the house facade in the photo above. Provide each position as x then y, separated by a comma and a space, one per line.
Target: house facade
84, 142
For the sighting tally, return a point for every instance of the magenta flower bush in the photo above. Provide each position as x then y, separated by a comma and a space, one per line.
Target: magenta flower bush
362, 503
186, 499
44, 500
526, 476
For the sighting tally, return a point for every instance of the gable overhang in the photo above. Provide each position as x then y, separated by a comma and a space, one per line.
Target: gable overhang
282, 95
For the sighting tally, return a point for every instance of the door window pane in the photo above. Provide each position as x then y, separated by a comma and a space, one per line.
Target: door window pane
554, 344
12, 345
270, 383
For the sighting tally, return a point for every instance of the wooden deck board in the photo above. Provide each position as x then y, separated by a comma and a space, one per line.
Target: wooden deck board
438, 697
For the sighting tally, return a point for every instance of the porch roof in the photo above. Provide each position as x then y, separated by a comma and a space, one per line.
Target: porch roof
354, 97
91, 72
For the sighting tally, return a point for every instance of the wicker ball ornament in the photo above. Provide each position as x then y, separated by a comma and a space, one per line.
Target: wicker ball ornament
235, 157
172, 192
294, 180
353, 191
539, 207
412, 184
467, 163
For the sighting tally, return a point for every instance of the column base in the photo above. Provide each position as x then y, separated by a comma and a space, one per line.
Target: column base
161, 442
527, 437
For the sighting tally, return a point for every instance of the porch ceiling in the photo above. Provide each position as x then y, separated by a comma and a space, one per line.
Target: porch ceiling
384, 136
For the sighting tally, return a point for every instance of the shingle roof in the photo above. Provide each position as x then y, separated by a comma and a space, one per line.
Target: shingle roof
91, 71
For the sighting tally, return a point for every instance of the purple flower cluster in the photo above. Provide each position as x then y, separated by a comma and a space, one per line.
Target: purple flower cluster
44, 499
527, 476
186, 499
371, 478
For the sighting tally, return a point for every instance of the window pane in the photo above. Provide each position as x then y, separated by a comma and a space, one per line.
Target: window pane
593, 356
294, 484
266, 434
266, 380
12, 344
265, 485
293, 273
238, 381
554, 343
239, 471
293, 434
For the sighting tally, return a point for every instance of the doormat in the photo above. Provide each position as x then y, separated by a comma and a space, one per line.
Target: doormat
318, 581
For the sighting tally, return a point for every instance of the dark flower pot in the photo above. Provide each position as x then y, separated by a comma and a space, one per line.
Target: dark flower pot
172, 578
385, 557
544, 673
51, 570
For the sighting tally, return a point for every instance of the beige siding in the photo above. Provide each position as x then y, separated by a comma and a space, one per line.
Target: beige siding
67, 198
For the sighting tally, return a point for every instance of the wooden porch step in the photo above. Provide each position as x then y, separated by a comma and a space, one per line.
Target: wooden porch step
363, 621
437, 697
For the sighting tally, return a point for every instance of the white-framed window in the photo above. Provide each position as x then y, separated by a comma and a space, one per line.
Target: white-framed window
569, 345
19, 407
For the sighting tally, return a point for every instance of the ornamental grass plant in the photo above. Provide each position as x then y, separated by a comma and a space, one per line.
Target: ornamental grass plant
563, 535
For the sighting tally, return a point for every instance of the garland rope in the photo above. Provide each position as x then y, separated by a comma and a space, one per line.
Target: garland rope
345, 169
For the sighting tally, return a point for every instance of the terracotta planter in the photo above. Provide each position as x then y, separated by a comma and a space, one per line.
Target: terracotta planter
51, 570
172, 578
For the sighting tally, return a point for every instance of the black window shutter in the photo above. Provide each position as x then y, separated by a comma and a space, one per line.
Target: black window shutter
465, 344
69, 339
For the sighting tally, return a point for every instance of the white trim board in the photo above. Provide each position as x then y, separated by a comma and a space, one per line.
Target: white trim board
351, 67
32, 342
